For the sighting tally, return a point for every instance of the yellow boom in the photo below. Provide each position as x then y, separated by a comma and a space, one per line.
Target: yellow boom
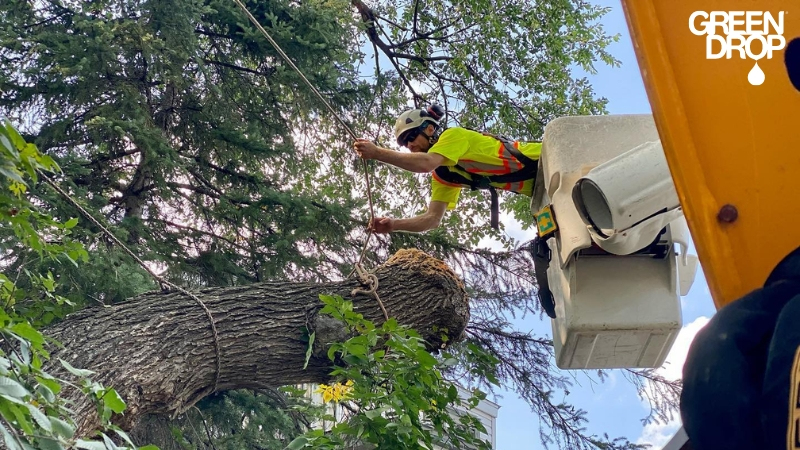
733, 147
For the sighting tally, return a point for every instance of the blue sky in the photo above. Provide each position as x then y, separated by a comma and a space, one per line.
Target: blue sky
612, 407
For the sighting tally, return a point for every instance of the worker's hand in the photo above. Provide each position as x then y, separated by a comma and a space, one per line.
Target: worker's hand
366, 149
382, 225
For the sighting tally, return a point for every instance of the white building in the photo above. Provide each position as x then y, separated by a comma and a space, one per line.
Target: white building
486, 412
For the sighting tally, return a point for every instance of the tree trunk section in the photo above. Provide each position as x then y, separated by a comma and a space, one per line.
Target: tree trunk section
157, 350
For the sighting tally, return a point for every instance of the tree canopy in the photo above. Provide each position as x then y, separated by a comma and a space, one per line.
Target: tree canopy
179, 126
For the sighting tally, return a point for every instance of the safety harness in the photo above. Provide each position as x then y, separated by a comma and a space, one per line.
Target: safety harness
539, 248
477, 181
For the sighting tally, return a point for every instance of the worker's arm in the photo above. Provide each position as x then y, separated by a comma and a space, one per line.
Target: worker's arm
413, 162
424, 222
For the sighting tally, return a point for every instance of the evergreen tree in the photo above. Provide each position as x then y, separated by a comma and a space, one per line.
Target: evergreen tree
180, 125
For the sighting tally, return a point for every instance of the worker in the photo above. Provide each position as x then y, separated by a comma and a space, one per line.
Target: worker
456, 158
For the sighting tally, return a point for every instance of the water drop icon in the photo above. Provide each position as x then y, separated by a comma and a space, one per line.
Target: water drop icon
756, 76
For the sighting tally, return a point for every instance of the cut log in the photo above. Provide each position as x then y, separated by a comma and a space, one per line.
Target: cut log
157, 350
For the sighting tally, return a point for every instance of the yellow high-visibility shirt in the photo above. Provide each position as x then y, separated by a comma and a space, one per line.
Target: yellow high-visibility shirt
478, 154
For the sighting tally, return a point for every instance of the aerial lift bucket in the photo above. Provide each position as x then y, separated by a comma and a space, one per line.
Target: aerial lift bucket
614, 273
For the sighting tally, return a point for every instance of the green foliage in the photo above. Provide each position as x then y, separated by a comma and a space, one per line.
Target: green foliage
33, 412
244, 419
177, 125
398, 396
198, 101
507, 67
27, 228
181, 128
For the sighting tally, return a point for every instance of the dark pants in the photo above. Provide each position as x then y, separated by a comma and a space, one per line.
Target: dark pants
740, 370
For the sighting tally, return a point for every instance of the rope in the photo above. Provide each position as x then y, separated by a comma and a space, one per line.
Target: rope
370, 280
161, 280
318, 94
293, 66
352, 134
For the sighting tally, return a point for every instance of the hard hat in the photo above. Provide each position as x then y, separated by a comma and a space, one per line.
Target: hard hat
415, 118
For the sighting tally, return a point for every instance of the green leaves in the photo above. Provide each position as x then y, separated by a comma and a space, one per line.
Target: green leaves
395, 388
40, 419
27, 226
19, 158
62, 428
310, 349
32, 415
298, 443
113, 401
12, 390
24, 330
77, 372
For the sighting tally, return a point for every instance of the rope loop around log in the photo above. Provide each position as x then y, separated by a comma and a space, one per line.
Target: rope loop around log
370, 280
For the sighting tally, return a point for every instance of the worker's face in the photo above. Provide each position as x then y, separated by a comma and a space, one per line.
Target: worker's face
421, 143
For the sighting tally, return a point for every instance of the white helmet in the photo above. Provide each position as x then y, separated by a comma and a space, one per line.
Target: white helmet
417, 118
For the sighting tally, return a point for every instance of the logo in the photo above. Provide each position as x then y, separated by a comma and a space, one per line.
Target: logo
546, 221
743, 34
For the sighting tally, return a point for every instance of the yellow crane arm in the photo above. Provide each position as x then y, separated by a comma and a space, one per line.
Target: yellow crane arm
733, 146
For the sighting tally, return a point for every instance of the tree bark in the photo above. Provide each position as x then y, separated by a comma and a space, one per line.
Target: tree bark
157, 350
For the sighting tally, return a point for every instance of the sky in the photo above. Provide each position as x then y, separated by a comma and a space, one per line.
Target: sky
613, 407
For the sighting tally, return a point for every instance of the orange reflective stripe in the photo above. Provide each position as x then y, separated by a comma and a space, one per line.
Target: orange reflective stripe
503, 155
507, 157
519, 167
504, 167
519, 163
483, 169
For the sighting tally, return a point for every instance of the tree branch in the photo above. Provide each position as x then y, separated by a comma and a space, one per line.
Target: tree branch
238, 68
157, 350
203, 232
368, 17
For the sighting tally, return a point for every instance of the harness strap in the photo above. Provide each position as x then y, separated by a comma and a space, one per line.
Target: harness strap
541, 262
476, 181
495, 216
509, 145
